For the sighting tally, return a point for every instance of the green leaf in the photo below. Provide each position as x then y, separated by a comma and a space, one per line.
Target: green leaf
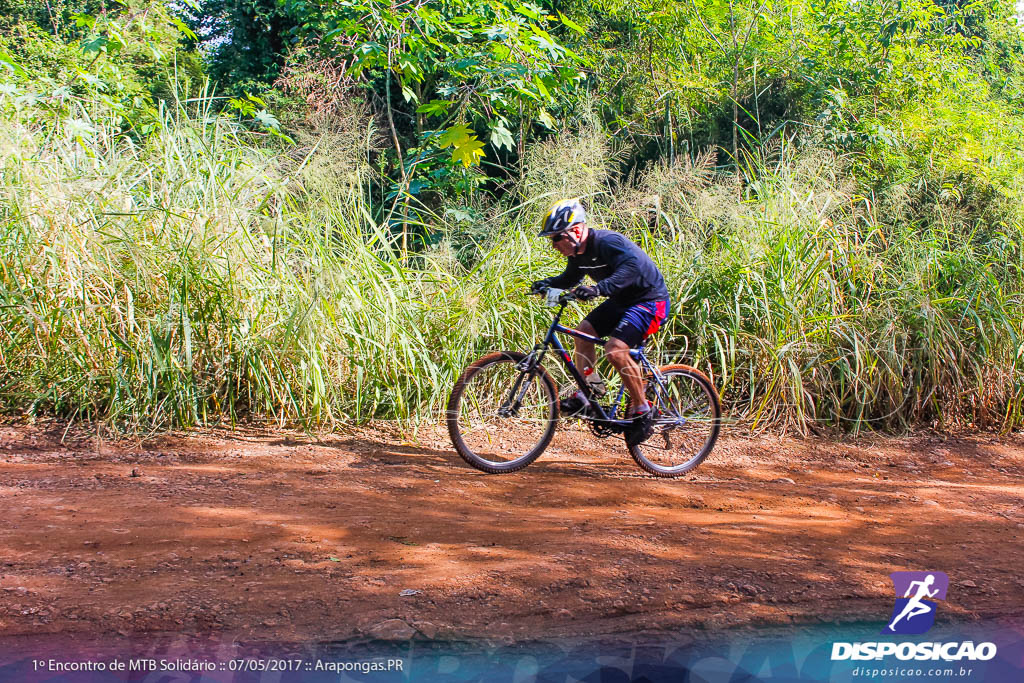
410, 68
545, 120
434, 108
464, 64
267, 120
456, 135
528, 11
84, 20
77, 129
501, 51
183, 29
541, 87
9, 63
496, 33
242, 106
526, 93
502, 137
91, 80
546, 42
469, 152
95, 43
571, 24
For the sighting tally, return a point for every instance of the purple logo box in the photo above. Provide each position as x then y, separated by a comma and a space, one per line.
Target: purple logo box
914, 608
901, 583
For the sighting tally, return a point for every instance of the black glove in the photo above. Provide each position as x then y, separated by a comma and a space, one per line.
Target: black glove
586, 292
539, 286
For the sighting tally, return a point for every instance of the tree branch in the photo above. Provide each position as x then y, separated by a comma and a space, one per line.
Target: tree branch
706, 29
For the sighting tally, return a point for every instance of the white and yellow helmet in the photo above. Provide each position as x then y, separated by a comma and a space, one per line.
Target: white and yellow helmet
562, 216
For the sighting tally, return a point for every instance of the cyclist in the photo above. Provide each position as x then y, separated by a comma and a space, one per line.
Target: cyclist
636, 306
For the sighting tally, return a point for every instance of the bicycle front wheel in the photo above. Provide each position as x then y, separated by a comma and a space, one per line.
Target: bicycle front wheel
501, 418
687, 420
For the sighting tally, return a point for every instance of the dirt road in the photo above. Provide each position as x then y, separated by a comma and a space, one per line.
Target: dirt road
269, 535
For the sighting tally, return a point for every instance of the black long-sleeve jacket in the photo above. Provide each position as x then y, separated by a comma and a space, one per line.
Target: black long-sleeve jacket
622, 270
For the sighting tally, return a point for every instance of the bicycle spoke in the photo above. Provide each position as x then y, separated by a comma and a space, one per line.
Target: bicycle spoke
686, 425
489, 429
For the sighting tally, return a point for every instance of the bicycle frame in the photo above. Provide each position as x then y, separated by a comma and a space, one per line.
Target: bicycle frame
551, 340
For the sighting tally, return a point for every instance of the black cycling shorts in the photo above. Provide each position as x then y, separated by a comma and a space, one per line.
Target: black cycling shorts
632, 323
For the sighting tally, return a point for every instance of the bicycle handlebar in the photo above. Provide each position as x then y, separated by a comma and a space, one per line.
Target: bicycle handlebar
565, 297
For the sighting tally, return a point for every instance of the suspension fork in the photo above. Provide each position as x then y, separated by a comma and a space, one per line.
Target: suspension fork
527, 370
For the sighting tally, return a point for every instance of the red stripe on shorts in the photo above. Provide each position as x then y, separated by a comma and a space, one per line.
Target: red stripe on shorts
659, 318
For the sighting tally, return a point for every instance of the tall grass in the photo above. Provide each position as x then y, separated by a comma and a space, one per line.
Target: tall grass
811, 309
204, 275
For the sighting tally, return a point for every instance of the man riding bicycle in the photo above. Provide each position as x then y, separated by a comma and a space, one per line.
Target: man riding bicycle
637, 304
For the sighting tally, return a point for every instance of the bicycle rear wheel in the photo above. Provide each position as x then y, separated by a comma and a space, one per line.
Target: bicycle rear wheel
686, 424
500, 418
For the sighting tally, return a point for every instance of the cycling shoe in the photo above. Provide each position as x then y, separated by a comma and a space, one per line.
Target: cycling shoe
641, 429
572, 407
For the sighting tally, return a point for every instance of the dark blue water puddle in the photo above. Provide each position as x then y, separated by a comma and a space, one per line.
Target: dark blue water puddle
769, 655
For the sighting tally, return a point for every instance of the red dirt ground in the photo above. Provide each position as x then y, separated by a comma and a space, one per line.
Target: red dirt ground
281, 536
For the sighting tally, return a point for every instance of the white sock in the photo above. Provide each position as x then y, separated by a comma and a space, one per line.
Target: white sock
640, 410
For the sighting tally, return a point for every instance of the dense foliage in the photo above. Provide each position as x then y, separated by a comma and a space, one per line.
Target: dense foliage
340, 218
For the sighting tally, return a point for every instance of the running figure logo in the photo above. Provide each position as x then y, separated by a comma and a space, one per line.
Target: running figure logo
914, 613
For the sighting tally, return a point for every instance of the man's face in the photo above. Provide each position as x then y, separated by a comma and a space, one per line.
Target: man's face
567, 247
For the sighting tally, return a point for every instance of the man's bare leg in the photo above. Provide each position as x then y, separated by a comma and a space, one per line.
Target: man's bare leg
585, 355
618, 354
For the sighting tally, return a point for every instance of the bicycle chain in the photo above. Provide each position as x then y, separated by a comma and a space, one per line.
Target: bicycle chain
600, 430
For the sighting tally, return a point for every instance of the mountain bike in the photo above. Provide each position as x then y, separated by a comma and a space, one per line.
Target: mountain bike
503, 411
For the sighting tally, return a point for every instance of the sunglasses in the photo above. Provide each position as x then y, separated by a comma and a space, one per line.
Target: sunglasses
555, 239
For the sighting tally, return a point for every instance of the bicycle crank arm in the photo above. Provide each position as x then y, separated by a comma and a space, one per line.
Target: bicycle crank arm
617, 426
